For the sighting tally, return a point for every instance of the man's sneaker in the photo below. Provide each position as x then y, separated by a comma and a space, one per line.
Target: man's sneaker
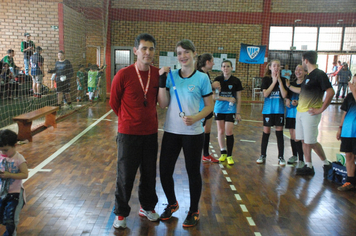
281, 161
346, 187
119, 222
151, 215
261, 159
223, 157
230, 161
192, 219
300, 164
168, 211
210, 159
292, 159
326, 169
305, 170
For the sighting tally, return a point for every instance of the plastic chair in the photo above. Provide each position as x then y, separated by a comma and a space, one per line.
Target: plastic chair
256, 87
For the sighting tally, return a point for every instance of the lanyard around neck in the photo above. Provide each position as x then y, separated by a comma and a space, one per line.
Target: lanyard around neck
145, 90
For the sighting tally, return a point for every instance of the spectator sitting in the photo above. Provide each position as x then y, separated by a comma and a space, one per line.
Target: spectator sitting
10, 60
6, 77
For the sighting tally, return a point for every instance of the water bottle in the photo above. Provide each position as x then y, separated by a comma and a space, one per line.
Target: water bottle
231, 105
216, 93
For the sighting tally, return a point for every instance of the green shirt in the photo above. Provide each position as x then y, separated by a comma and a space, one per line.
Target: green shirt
92, 76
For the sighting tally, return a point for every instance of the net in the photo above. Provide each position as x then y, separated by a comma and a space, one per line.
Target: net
101, 32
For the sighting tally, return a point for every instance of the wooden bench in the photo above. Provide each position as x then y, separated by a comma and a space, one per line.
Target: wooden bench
24, 121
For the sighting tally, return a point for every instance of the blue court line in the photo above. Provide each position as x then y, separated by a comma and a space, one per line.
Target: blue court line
110, 222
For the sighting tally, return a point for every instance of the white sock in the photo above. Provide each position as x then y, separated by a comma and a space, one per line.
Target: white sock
326, 162
309, 164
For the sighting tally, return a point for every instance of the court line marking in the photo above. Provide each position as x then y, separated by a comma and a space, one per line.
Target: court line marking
63, 148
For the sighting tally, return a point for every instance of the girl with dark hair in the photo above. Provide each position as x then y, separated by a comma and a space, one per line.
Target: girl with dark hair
181, 92
227, 109
205, 63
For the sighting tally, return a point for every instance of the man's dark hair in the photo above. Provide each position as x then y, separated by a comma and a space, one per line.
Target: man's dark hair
311, 56
8, 138
10, 51
60, 51
145, 37
38, 48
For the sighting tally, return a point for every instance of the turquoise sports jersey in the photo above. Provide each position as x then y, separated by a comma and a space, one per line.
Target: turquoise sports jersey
274, 103
190, 91
229, 88
349, 126
291, 112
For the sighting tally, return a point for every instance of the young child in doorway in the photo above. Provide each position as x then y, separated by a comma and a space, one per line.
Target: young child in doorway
80, 82
93, 81
13, 169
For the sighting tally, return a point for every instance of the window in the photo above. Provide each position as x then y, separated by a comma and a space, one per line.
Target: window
330, 39
350, 39
305, 38
280, 38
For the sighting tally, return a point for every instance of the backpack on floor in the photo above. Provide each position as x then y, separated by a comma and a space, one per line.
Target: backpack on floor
337, 173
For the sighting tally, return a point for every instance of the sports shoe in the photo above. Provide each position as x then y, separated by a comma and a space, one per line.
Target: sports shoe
151, 215
300, 164
281, 161
326, 169
119, 222
292, 159
261, 159
230, 161
192, 219
346, 187
168, 211
209, 159
222, 157
305, 170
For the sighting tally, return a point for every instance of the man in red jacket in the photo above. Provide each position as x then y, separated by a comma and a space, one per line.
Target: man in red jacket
133, 98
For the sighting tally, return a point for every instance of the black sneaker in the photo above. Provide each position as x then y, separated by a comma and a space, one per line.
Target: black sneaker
191, 220
326, 169
305, 171
168, 211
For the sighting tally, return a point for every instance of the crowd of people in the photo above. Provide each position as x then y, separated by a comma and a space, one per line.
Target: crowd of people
192, 100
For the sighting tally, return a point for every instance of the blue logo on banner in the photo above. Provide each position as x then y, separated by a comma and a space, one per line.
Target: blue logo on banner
251, 54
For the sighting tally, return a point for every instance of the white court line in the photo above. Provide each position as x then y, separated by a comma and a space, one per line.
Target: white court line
243, 208
238, 198
42, 170
249, 141
250, 221
62, 149
232, 187
224, 172
228, 179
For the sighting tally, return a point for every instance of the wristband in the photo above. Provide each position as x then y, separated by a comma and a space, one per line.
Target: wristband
162, 80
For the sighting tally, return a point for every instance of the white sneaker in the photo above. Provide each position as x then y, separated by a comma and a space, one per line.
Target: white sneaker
119, 222
300, 164
281, 161
261, 159
151, 215
292, 159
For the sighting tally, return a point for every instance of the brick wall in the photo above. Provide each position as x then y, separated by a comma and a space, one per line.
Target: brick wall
320, 6
34, 17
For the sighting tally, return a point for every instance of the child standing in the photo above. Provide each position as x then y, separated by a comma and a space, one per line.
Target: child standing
13, 169
347, 135
80, 82
93, 81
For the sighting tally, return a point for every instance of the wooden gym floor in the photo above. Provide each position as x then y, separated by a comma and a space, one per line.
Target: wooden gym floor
70, 190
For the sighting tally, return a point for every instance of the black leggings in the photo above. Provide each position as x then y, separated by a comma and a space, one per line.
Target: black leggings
192, 147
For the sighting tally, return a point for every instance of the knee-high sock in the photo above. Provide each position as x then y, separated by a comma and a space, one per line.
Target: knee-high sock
264, 143
280, 143
230, 144
294, 147
206, 144
299, 146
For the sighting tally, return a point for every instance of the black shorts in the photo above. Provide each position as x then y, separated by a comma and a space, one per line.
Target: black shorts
273, 120
348, 145
290, 123
207, 118
63, 87
226, 117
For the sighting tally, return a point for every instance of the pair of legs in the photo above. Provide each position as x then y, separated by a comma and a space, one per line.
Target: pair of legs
63, 87
136, 152
208, 121
225, 124
26, 62
270, 120
348, 145
307, 132
171, 147
344, 87
36, 83
10, 208
297, 146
